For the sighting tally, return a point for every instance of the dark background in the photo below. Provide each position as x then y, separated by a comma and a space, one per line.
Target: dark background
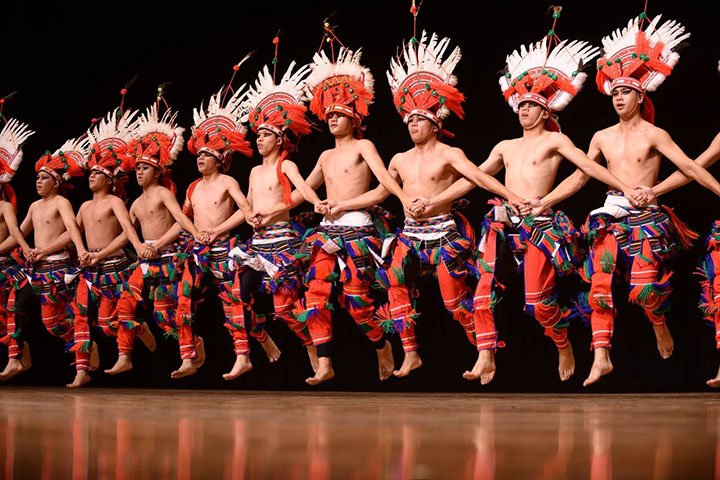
69, 63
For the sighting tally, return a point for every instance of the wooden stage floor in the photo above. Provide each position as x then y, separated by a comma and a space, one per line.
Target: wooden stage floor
180, 434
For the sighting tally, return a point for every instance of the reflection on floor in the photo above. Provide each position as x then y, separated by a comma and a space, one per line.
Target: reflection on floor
131, 434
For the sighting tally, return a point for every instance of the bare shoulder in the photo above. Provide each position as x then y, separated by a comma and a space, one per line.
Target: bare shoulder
655, 133
288, 164
449, 153
62, 202
364, 144
559, 138
228, 181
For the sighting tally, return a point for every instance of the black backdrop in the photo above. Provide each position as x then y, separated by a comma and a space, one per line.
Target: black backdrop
69, 64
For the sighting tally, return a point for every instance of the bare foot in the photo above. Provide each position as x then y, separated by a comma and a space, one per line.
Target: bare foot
484, 368
147, 338
566, 362
324, 372
123, 364
312, 354
386, 362
94, 357
81, 378
410, 363
186, 368
242, 365
200, 350
13, 367
714, 382
601, 366
664, 340
271, 350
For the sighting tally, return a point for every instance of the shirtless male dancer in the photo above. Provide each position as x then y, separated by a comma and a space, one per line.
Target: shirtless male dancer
424, 93
544, 242
644, 238
162, 275
212, 200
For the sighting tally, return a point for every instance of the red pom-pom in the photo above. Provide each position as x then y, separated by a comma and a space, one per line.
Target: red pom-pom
93, 120
2, 100
276, 40
123, 91
413, 9
236, 67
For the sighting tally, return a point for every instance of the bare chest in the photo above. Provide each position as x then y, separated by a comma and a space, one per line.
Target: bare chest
99, 214
424, 170
624, 150
149, 208
338, 167
208, 196
46, 215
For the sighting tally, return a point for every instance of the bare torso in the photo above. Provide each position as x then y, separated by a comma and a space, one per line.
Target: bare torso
265, 192
346, 174
425, 174
155, 219
211, 202
630, 155
531, 165
47, 222
4, 231
100, 224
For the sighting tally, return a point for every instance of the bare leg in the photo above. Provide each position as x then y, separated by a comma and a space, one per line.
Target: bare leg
410, 363
82, 377
187, 368
26, 359
324, 372
200, 349
123, 364
566, 362
484, 368
715, 382
312, 354
242, 365
147, 338
94, 357
664, 340
601, 366
271, 350
386, 362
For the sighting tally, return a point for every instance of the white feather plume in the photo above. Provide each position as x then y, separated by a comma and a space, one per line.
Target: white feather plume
232, 108
150, 122
113, 127
292, 84
12, 137
426, 56
347, 63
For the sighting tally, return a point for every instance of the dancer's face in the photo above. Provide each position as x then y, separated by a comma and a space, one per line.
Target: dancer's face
45, 184
339, 124
97, 180
146, 174
421, 128
267, 141
530, 113
207, 163
626, 101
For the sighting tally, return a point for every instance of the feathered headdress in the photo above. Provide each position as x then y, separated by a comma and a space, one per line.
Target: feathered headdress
158, 140
640, 59
109, 143
546, 75
218, 129
110, 147
343, 85
422, 81
12, 137
278, 107
67, 161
